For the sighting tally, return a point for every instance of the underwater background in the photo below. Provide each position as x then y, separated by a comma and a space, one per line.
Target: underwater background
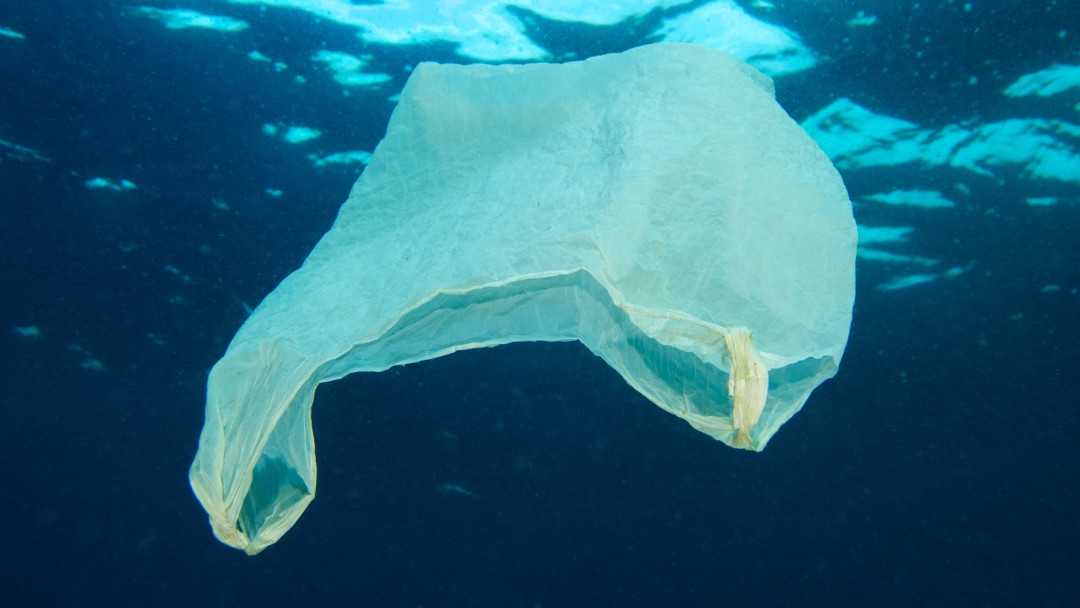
163, 165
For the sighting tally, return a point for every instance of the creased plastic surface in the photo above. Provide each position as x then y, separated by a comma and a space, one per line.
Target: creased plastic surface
657, 205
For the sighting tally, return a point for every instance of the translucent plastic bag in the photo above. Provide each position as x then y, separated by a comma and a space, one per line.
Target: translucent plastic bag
657, 205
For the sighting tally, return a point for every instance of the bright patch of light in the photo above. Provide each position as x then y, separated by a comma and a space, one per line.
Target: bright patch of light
1041, 201
486, 30
353, 157
861, 19
10, 33
929, 199
349, 69
30, 332
291, 134
1044, 83
883, 234
1035, 148
905, 281
724, 25
108, 184
178, 19
17, 152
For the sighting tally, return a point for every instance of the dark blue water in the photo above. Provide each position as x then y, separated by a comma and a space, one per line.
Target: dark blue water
939, 468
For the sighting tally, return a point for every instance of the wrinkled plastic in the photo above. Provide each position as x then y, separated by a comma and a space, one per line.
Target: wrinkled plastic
657, 205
